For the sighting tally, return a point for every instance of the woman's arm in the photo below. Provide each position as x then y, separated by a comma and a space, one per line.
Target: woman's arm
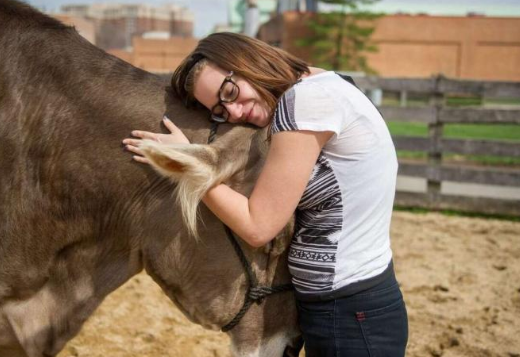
289, 163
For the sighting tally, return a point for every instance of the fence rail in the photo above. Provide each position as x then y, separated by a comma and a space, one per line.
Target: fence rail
441, 84
452, 115
458, 146
483, 176
435, 115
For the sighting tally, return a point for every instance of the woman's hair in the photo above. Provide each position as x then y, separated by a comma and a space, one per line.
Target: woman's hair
269, 70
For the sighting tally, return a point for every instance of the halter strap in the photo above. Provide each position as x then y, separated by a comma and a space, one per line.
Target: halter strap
254, 292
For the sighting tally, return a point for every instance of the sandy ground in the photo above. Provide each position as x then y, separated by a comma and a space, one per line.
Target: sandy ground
460, 278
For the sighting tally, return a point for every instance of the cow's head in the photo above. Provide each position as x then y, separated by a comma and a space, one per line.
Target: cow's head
212, 293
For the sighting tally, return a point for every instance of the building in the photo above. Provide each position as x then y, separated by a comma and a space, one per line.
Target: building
297, 5
245, 16
470, 47
117, 24
85, 28
159, 55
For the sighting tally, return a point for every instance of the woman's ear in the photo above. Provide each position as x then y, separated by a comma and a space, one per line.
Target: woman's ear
193, 167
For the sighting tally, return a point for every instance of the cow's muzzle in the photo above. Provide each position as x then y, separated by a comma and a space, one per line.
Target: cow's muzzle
294, 348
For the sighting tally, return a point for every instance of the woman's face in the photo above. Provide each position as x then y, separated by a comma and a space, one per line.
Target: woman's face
249, 107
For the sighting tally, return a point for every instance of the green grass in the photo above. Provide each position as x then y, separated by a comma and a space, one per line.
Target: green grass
392, 99
499, 132
483, 131
463, 101
495, 132
407, 129
460, 131
508, 101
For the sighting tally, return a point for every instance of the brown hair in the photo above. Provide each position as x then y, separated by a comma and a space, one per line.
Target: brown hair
269, 70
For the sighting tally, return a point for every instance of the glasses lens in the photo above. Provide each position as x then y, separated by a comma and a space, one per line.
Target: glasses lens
229, 92
219, 114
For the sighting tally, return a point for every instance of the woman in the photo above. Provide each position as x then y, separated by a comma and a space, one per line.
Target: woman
332, 161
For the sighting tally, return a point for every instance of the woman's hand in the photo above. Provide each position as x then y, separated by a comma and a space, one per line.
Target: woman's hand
176, 137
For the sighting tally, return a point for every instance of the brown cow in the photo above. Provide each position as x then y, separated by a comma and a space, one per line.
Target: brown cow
78, 218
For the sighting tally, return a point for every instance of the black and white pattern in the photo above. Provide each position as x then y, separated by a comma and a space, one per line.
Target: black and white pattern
284, 115
319, 217
342, 231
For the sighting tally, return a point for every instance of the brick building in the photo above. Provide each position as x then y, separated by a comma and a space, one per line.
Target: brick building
85, 28
157, 55
471, 47
117, 24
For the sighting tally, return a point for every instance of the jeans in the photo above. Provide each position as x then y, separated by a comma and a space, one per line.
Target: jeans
371, 323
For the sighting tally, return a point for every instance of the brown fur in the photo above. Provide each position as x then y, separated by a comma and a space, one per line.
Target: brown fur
78, 218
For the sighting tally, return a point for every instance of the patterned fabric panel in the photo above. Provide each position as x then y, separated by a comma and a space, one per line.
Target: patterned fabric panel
312, 266
284, 115
319, 216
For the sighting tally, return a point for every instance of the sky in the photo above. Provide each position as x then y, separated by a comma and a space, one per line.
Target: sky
210, 12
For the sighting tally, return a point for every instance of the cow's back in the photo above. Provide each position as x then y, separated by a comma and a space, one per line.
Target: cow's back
64, 106
78, 217
73, 207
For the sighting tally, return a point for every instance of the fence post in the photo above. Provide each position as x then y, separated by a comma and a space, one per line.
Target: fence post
435, 129
403, 98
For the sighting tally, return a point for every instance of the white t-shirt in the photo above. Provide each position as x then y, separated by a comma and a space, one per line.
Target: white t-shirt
343, 218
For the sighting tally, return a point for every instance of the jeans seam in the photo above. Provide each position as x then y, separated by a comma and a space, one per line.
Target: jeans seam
365, 337
336, 347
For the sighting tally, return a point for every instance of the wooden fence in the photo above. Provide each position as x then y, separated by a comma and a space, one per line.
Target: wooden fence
435, 115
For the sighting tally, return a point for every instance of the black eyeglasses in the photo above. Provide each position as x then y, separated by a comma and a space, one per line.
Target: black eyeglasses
228, 93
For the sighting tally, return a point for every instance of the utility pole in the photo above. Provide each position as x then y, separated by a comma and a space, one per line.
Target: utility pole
251, 18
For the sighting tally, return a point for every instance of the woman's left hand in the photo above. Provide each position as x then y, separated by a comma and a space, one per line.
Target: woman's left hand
176, 137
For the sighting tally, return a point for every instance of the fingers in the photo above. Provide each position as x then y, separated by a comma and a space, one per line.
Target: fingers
134, 149
169, 125
141, 159
133, 142
139, 154
176, 136
144, 135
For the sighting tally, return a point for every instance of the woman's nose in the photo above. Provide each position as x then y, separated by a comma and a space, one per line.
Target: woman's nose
235, 110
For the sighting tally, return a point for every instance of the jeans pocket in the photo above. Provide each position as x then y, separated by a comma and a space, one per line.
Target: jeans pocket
385, 329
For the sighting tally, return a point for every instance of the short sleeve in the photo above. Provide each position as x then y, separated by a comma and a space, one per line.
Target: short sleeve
307, 106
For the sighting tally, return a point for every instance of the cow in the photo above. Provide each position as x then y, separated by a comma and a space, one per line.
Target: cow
78, 217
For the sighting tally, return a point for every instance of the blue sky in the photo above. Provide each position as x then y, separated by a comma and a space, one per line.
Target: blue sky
209, 12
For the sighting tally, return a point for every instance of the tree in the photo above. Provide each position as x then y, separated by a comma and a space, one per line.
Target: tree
341, 38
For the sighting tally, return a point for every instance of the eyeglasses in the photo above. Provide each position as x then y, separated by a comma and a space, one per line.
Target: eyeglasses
228, 93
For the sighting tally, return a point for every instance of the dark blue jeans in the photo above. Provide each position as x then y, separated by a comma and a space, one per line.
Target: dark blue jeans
371, 323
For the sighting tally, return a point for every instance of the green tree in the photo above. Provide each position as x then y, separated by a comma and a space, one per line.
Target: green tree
341, 38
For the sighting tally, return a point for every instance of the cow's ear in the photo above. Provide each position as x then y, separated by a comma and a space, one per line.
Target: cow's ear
178, 160
193, 167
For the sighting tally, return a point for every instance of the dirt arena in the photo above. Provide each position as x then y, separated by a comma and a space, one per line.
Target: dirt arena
460, 277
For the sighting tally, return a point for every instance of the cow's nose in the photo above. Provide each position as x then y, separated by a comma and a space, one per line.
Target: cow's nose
294, 348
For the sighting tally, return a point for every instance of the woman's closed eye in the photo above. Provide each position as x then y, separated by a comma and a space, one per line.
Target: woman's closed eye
229, 92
